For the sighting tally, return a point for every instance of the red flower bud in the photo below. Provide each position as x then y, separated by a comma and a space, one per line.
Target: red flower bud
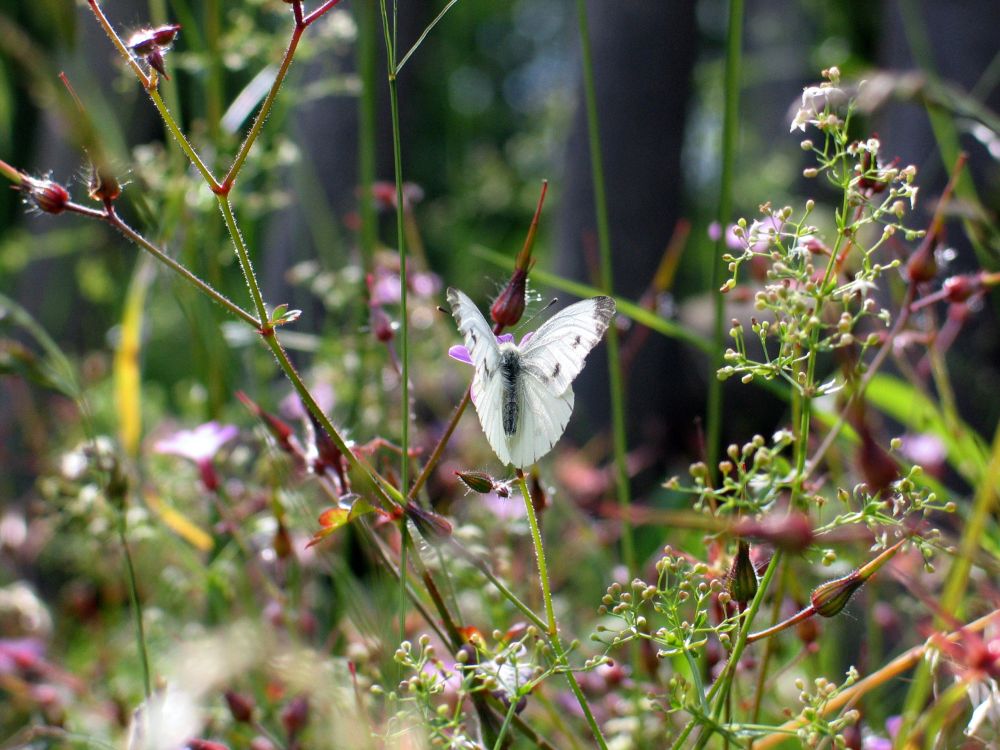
430, 524
380, 324
240, 706
48, 196
509, 306
104, 186
163, 36
960, 288
155, 60
295, 716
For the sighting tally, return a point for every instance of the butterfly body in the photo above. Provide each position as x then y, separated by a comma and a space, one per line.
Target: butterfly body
523, 393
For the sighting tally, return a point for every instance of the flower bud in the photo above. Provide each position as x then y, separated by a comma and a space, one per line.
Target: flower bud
509, 306
200, 744
103, 185
960, 288
430, 524
742, 583
477, 481
295, 716
240, 706
46, 195
380, 324
830, 598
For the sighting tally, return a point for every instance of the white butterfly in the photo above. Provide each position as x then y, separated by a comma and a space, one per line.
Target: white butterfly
523, 393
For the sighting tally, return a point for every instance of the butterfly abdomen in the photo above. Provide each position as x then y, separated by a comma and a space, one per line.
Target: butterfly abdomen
510, 374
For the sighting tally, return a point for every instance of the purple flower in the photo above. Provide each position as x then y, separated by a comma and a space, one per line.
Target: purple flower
16, 653
199, 445
461, 353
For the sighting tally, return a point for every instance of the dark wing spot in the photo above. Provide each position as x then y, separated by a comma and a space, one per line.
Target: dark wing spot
555, 370
576, 342
472, 335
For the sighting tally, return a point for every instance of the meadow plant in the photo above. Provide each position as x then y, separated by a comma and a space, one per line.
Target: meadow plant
300, 588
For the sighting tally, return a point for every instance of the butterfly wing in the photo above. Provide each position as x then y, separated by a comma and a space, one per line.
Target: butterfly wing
543, 419
556, 352
487, 386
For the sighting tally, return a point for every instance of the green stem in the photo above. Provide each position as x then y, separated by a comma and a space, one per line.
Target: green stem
243, 255
113, 219
404, 339
133, 593
265, 108
552, 628
366, 132
616, 383
730, 131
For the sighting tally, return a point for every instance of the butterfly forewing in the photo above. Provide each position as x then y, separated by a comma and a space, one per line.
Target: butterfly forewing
556, 352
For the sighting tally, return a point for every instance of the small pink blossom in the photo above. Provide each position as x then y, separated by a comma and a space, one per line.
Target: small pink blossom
199, 445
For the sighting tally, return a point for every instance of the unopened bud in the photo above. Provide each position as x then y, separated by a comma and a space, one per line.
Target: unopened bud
830, 598
477, 481
46, 195
960, 288
240, 706
509, 306
380, 324
742, 576
295, 716
103, 186
430, 524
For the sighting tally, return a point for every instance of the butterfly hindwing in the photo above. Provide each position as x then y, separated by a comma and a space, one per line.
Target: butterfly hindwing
556, 352
542, 421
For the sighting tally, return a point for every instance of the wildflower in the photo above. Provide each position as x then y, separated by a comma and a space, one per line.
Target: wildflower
817, 104
200, 445
384, 194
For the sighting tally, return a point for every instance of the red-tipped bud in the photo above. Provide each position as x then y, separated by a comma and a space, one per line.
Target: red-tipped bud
509, 306
477, 481
922, 265
282, 541
430, 524
240, 706
46, 195
280, 431
103, 185
380, 324
742, 583
960, 288
163, 36
156, 62
831, 597
295, 716
877, 466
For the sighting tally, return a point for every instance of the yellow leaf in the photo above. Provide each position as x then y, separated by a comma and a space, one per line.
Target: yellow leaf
180, 524
127, 371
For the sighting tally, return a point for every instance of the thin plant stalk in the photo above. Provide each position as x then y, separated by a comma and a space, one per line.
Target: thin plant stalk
730, 131
552, 628
616, 384
389, 31
133, 593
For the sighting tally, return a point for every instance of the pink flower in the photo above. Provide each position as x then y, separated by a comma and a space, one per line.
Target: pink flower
199, 445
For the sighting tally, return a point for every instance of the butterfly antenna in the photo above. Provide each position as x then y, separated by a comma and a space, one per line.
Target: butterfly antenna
539, 311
